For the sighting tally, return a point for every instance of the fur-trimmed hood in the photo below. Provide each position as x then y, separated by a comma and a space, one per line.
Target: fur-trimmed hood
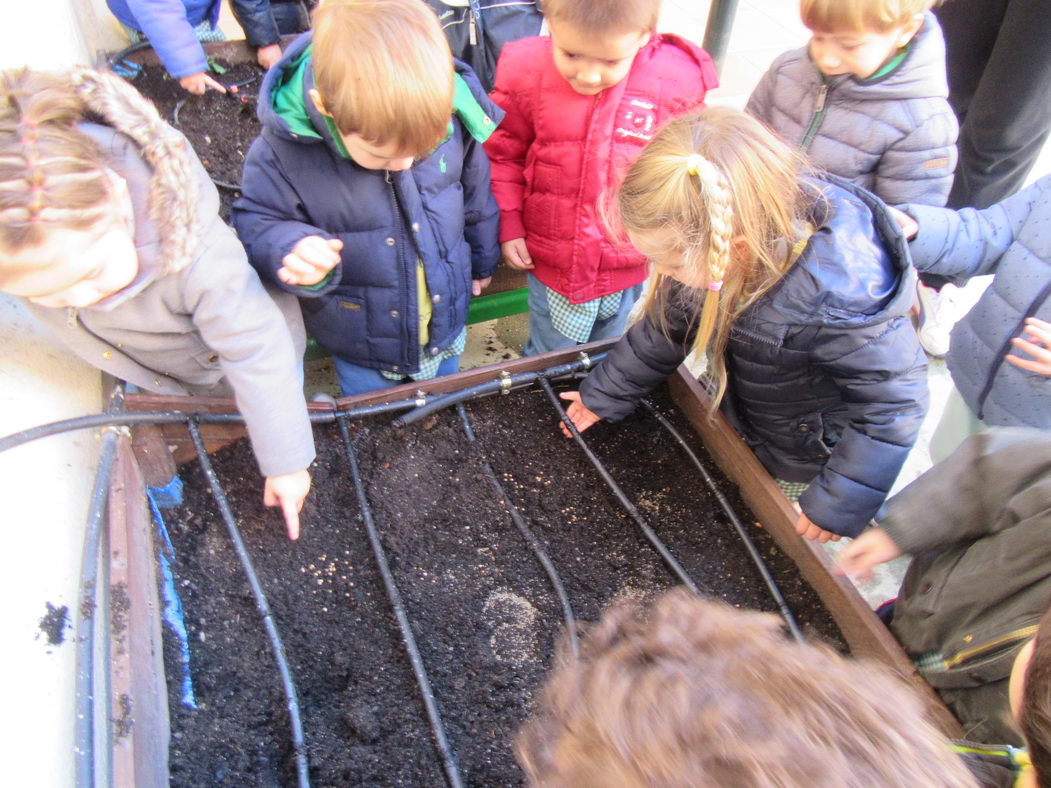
172, 197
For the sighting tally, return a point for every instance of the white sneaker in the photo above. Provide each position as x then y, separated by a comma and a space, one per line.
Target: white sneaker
938, 314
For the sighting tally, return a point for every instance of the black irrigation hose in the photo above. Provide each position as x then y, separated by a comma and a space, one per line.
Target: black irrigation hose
84, 721
116, 57
504, 384
452, 771
648, 532
527, 534
298, 744
760, 564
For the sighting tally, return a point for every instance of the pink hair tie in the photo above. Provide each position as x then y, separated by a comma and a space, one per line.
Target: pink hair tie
716, 286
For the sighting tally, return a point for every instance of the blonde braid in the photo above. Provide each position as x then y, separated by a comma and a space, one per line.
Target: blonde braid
163, 148
716, 198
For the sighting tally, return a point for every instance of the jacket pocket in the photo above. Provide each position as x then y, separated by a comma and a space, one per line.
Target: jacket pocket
809, 436
542, 203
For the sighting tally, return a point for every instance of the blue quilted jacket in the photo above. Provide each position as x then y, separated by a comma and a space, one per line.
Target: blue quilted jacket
827, 381
297, 183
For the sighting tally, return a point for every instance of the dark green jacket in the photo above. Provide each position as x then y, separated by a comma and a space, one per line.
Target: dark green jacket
979, 528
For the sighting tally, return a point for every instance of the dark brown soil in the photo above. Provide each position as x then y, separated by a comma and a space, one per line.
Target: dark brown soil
53, 624
219, 127
481, 608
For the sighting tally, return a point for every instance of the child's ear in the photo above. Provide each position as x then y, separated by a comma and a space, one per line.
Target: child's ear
739, 248
909, 29
319, 105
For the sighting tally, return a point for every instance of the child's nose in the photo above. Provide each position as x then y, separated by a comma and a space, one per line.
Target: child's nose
397, 165
589, 76
825, 57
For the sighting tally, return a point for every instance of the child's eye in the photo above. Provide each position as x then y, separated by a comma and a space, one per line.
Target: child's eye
569, 55
611, 62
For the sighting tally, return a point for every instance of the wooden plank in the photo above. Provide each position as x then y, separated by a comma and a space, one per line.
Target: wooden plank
139, 695
866, 634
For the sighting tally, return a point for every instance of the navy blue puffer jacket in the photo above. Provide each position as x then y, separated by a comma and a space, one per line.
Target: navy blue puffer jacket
827, 381
297, 183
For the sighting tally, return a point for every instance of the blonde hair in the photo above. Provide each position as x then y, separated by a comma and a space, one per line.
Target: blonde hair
694, 693
52, 175
860, 15
384, 71
730, 195
595, 17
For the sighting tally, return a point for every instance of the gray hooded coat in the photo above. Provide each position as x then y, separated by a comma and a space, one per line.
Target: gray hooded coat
894, 135
196, 319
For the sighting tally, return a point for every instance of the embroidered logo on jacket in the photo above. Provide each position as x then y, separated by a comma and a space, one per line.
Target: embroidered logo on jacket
639, 121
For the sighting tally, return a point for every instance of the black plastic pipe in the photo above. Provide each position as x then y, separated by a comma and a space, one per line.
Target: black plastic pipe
629, 507
298, 744
452, 771
753, 551
717, 30
504, 384
528, 535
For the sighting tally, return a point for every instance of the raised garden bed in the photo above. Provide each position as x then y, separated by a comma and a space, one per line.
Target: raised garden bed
481, 608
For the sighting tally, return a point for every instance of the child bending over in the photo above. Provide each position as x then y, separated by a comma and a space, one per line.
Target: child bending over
367, 193
110, 230
799, 289
867, 98
581, 104
696, 694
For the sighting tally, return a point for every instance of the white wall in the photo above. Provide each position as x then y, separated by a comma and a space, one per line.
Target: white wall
45, 485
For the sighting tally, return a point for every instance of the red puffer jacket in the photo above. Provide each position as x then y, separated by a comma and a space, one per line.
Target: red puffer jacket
557, 154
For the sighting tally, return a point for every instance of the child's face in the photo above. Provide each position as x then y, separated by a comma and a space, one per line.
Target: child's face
590, 64
859, 53
667, 258
74, 268
375, 156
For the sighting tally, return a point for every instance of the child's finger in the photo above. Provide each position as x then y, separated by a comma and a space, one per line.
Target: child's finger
335, 244
1039, 330
297, 265
290, 508
208, 81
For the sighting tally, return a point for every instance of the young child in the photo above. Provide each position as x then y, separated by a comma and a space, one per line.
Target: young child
176, 28
978, 588
367, 194
580, 107
695, 694
867, 98
1010, 241
109, 229
810, 340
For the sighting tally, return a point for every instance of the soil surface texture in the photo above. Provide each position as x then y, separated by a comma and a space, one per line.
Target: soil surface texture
220, 127
482, 610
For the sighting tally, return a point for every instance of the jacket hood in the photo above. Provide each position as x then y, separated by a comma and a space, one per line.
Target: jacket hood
171, 195
855, 270
285, 110
921, 73
701, 59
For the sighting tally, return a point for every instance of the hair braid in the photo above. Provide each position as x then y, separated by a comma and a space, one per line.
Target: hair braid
717, 200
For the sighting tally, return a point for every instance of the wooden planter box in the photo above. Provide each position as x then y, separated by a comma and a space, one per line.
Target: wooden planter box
138, 687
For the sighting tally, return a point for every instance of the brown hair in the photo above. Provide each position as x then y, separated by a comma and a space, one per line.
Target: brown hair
384, 71
718, 180
52, 175
860, 15
1034, 717
605, 16
694, 693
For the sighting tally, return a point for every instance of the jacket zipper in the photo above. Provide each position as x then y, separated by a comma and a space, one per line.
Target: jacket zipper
71, 317
414, 337
1019, 634
472, 27
757, 336
819, 113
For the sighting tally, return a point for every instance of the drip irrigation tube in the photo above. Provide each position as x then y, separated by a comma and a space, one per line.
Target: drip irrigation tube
84, 720
452, 771
298, 745
629, 507
527, 534
502, 384
753, 551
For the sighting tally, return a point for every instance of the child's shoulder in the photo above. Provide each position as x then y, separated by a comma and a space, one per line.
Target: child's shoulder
525, 51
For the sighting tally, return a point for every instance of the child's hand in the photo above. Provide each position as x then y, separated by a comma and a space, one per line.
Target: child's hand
908, 225
808, 530
288, 491
516, 254
478, 285
268, 55
1036, 341
200, 82
578, 413
872, 548
310, 260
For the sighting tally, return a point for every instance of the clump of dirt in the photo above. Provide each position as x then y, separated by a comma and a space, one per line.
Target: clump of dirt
482, 609
53, 624
220, 127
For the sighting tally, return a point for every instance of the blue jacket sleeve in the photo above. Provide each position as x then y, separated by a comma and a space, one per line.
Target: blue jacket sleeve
271, 220
883, 382
966, 243
170, 33
257, 22
481, 214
